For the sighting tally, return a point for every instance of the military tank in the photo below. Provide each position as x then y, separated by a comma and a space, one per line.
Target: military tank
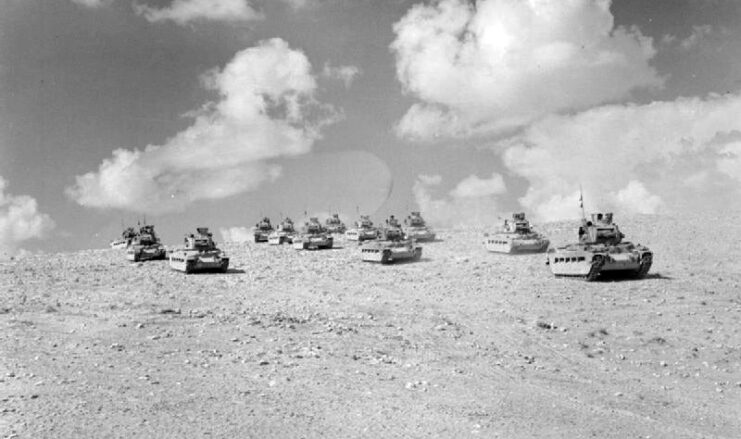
600, 251
313, 237
199, 254
391, 246
285, 232
418, 229
262, 230
145, 246
516, 236
126, 237
334, 224
363, 230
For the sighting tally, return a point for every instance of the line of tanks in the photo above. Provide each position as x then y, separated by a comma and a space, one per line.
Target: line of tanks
599, 251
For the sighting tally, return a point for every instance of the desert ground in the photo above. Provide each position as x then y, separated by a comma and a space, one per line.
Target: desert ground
463, 343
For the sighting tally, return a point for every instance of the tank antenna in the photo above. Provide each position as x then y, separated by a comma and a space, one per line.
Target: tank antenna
581, 204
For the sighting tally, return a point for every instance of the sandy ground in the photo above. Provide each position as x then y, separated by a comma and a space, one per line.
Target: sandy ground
464, 343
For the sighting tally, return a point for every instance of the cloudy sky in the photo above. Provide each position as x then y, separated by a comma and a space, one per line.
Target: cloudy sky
216, 112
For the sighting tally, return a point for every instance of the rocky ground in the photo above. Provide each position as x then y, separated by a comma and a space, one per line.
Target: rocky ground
319, 344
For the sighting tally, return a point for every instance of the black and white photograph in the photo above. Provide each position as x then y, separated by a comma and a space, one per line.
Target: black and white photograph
370, 219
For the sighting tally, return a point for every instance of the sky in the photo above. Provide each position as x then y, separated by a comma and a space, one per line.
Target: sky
214, 113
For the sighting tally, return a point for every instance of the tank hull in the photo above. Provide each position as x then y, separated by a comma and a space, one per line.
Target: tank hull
335, 228
313, 242
510, 244
138, 253
361, 234
261, 236
420, 234
387, 253
199, 262
278, 238
589, 263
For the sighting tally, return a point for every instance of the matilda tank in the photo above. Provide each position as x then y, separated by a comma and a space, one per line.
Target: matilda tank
126, 237
417, 229
285, 232
391, 246
334, 224
313, 237
199, 254
516, 236
363, 230
145, 246
600, 251
262, 230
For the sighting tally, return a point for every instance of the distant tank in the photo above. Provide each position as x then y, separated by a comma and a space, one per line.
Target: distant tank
334, 224
145, 246
262, 230
601, 250
417, 229
391, 246
126, 237
364, 230
313, 237
199, 255
285, 232
516, 236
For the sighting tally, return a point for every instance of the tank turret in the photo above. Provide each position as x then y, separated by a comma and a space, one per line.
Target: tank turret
334, 224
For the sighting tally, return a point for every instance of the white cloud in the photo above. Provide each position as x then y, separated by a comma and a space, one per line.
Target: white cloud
266, 111
346, 74
297, 4
634, 198
506, 63
697, 35
472, 202
93, 3
19, 221
631, 157
473, 187
186, 11
236, 234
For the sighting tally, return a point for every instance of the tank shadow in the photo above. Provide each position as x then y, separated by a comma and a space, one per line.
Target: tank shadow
627, 277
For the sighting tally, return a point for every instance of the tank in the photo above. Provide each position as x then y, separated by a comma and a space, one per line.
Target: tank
199, 254
145, 246
334, 224
391, 246
126, 237
516, 236
313, 237
600, 251
364, 230
417, 229
262, 230
285, 232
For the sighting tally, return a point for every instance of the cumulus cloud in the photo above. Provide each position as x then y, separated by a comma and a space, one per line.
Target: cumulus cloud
266, 110
474, 187
632, 158
236, 234
186, 11
473, 202
19, 221
93, 3
346, 74
505, 63
697, 35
